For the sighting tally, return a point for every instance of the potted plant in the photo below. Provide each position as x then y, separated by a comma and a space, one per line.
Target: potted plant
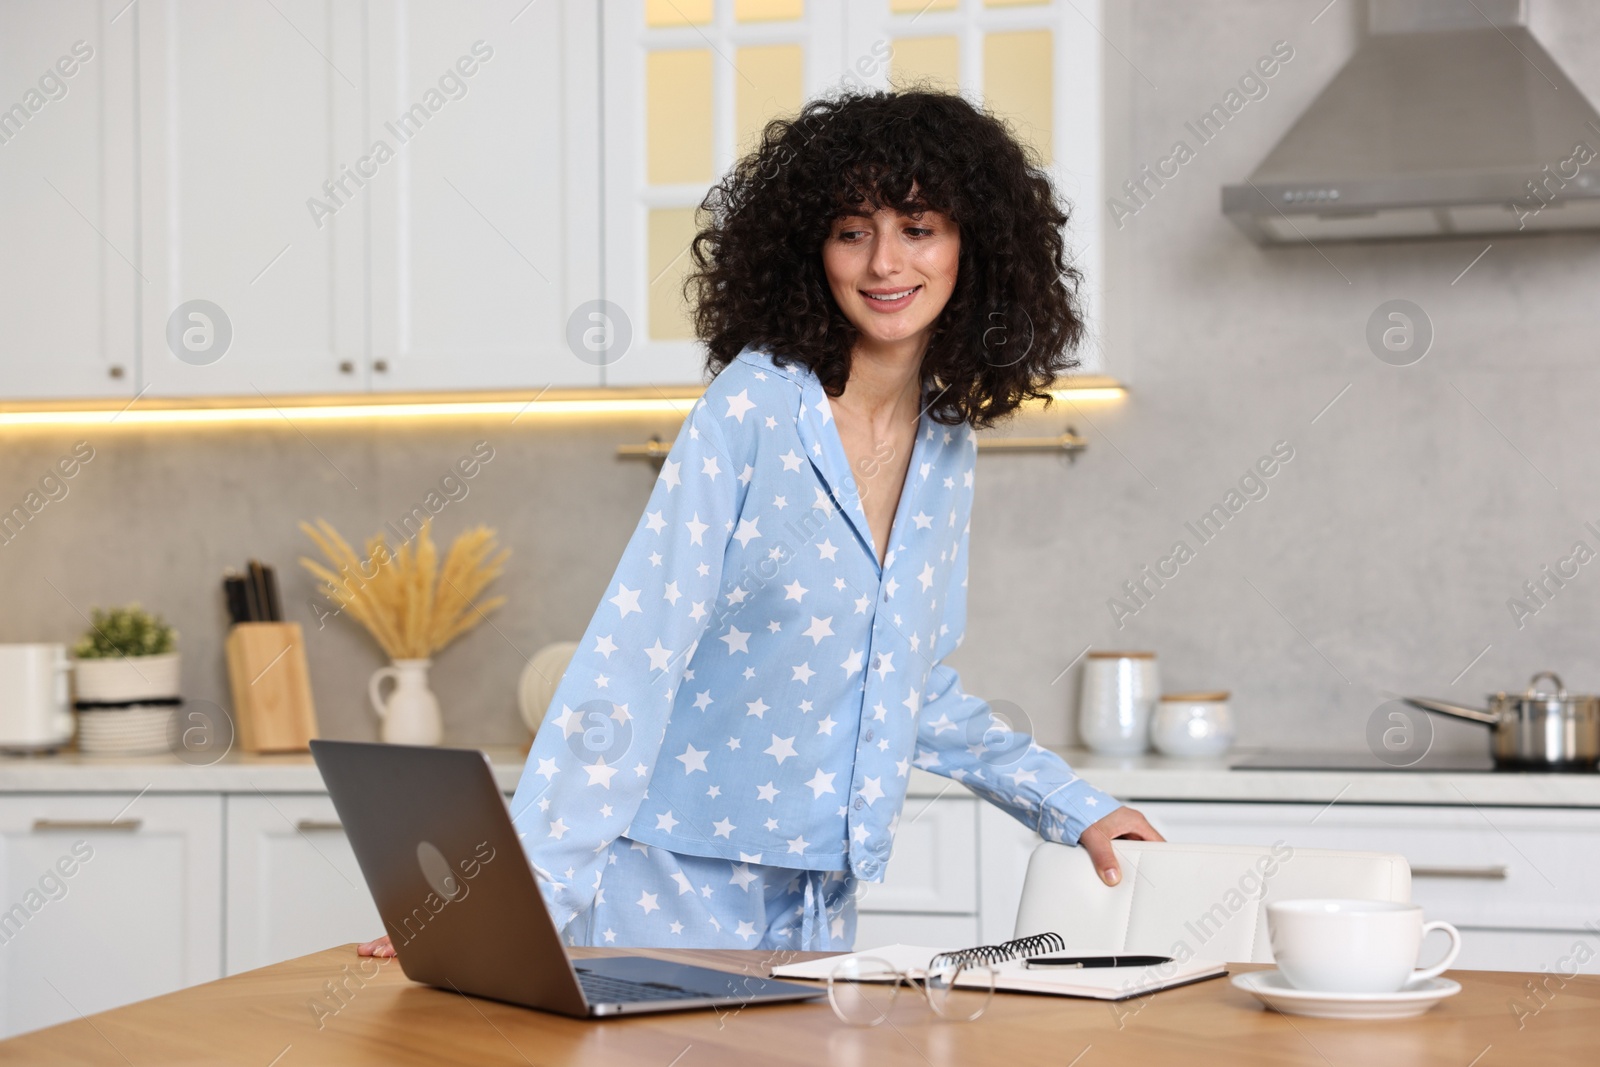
126, 655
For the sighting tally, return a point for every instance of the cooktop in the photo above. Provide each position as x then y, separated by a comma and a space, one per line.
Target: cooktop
1454, 763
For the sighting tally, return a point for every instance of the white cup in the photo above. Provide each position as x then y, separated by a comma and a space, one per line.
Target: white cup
1352, 946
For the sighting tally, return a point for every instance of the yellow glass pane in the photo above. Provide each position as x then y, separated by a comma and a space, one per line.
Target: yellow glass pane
768, 10
917, 7
920, 60
667, 254
769, 84
677, 12
678, 116
1018, 84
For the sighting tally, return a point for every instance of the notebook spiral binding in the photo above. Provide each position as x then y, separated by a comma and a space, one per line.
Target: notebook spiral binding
1036, 945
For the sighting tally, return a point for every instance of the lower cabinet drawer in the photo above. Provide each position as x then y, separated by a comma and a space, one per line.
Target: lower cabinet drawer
1495, 868
932, 867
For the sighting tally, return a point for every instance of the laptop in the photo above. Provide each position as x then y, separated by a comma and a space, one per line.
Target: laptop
461, 902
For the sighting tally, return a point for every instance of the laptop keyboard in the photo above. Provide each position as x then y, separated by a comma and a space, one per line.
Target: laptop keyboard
604, 989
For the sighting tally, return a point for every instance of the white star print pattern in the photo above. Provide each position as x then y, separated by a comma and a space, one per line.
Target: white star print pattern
651, 897
750, 657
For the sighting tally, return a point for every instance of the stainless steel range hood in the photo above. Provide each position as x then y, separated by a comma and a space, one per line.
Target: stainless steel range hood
1449, 120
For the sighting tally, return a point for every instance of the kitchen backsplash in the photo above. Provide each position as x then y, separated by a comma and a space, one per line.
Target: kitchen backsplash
1405, 512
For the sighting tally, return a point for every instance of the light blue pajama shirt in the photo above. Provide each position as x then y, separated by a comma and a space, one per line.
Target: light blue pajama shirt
754, 688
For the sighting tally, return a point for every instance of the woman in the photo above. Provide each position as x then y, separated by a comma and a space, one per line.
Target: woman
727, 755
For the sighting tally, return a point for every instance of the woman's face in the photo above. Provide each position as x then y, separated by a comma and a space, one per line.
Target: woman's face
891, 274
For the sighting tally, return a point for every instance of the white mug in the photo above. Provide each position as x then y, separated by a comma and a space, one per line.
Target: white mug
35, 712
1353, 946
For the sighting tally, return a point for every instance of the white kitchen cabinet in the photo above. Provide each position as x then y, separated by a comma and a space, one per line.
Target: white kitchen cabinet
486, 224
300, 197
930, 870
245, 111
680, 98
293, 883
1554, 951
955, 877
684, 99
109, 898
875, 929
1005, 846
69, 277
1518, 882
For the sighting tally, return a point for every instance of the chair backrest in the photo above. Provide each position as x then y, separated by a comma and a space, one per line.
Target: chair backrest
1205, 901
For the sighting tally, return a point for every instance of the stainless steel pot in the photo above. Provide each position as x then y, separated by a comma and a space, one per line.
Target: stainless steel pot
1534, 730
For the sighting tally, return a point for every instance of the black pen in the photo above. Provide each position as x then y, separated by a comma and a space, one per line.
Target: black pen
1096, 961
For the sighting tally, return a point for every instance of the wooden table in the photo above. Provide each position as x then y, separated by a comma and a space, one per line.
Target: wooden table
266, 1018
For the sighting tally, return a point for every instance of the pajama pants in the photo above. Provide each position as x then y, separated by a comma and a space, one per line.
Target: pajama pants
652, 898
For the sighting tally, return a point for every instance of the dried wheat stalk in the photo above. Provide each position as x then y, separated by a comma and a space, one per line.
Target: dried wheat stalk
411, 605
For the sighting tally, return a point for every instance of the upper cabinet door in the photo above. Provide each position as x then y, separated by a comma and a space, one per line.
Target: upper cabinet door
69, 275
1036, 64
253, 233
486, 216
690, 84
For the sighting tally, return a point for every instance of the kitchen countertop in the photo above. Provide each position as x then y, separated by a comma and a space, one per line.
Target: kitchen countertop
1143, 778
1135, 779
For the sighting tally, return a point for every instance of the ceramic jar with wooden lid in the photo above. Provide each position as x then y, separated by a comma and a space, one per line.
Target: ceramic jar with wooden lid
1192, 725
1119, 694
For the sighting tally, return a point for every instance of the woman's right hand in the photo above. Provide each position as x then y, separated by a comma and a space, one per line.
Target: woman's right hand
381, 947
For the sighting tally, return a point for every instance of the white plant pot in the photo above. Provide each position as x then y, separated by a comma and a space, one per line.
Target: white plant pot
126, 678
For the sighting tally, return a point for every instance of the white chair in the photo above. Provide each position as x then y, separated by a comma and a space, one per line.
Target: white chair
1205, 901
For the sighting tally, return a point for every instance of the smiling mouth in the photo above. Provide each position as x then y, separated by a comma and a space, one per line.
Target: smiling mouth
891, 301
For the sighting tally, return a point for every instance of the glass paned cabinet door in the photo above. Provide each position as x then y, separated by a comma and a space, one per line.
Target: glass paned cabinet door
690, 86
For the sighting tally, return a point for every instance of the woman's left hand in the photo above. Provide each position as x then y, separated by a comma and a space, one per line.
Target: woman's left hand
1096, 840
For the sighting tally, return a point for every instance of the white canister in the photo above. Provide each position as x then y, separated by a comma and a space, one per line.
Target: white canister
1119, 694
1192, 724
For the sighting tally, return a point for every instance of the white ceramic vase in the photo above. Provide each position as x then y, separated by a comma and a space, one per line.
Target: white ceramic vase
410, 713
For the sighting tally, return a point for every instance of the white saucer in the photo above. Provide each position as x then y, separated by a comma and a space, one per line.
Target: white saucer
1272, 989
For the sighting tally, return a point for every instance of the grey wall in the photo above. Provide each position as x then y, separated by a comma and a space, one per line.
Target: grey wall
1379, 563
160, 512
1382, 559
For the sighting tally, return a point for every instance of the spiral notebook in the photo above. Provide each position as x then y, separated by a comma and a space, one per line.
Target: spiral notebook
1099, 983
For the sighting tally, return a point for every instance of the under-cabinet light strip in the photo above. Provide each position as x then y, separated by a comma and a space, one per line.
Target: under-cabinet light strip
302, 412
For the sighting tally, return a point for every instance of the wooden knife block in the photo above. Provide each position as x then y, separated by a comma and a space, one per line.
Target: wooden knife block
272, 709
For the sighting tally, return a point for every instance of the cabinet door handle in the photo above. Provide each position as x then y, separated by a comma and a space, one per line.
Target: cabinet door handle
306, 826
1495, 872
123, 825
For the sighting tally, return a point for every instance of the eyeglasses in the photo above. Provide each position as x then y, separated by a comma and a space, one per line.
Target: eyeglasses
862, 990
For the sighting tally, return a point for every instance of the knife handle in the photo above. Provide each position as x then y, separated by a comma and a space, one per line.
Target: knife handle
274, 604
233, 588
258, 579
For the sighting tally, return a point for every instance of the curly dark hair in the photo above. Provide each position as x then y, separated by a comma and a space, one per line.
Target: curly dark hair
757, 273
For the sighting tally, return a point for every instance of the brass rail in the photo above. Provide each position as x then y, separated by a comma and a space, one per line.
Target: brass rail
1068, 443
